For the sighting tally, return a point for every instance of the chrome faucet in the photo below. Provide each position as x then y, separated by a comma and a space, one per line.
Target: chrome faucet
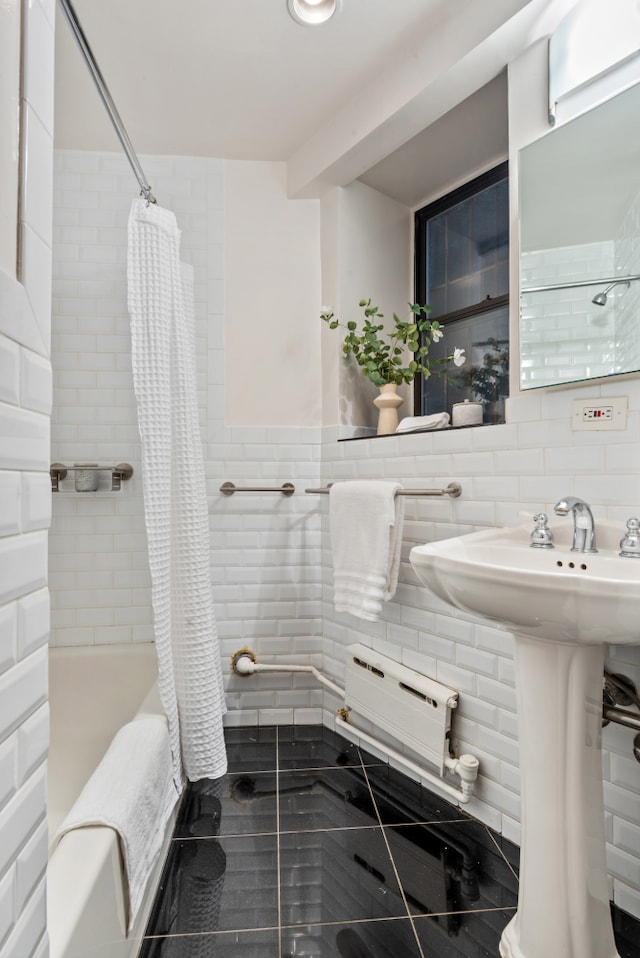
584, 531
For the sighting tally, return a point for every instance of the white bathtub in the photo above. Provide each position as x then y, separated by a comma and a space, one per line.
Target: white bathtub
93, 691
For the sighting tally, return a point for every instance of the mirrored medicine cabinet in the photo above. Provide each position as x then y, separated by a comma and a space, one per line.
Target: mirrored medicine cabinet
579, 193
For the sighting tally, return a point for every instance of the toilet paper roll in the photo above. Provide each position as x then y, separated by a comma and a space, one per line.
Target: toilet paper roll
467, 413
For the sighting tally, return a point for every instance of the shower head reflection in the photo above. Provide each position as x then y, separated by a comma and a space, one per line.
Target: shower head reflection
600, 299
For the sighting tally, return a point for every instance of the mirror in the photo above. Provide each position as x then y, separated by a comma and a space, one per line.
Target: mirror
580, 247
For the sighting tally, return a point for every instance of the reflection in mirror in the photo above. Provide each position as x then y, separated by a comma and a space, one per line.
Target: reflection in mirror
580, 247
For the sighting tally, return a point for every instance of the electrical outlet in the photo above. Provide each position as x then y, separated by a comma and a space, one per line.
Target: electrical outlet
600, 413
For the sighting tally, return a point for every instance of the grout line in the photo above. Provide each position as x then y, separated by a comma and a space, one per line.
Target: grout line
389, 918
393, 864
278, 842
507, 862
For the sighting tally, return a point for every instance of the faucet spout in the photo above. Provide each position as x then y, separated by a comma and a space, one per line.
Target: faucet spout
584, 530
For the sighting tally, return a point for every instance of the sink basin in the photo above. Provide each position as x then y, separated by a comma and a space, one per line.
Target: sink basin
563, 608
551, 594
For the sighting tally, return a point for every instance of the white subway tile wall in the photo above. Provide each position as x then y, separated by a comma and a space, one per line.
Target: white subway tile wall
520, 467
265, 548
25, 405
270, 555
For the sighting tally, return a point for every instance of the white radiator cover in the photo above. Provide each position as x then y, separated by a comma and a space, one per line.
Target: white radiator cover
413, 708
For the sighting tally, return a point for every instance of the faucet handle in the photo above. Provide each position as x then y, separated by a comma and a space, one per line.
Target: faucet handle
630, 543
542, 536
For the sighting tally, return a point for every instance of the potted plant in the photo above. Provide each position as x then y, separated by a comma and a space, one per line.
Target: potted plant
488, 380
382, 354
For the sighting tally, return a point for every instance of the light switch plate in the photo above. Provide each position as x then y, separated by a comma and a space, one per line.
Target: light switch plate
600, 413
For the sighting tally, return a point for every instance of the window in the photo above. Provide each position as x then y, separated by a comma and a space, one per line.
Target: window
462, 272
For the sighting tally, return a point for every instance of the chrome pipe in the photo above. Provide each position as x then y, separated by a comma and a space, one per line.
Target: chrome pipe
579, 283
87, 54
622, 717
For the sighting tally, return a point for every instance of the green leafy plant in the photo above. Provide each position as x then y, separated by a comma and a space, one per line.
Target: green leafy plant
488, 380
382, 354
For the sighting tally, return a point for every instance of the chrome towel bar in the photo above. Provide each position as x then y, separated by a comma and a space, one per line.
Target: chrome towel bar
228, 489
454, 489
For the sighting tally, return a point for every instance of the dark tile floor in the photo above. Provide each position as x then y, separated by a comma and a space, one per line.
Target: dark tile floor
310, 847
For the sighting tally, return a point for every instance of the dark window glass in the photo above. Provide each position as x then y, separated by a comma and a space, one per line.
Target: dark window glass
462, 272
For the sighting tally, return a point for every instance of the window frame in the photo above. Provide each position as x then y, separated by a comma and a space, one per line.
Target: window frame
421, 218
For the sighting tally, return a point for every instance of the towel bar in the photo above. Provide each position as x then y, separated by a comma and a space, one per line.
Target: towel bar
228, 489
454, 489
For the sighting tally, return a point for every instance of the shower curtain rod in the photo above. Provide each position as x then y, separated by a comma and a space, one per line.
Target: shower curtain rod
106, 98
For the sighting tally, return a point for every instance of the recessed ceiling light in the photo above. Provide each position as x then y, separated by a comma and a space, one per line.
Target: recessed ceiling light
310, 13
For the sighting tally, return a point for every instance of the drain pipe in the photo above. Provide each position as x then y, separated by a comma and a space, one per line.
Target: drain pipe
466, 766
243, 663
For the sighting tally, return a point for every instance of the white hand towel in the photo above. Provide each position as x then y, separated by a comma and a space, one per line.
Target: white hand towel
439, 420
132, 791
366, 534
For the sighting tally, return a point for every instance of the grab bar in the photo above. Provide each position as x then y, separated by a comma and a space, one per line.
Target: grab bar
454, 489
228, 489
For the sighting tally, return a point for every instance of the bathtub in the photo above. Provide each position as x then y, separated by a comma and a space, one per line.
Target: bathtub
93, 691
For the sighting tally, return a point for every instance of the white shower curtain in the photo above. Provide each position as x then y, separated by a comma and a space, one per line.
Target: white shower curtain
160, 293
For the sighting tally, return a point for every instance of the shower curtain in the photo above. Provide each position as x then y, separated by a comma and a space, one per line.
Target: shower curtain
160, 297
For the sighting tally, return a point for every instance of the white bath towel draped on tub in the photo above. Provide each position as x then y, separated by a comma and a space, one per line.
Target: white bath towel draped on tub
132, 791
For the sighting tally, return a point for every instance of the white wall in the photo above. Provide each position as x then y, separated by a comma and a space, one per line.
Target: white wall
367, 249
272, 300
25, 404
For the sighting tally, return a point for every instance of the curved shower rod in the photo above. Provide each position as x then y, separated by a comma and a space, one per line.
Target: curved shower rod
107, 99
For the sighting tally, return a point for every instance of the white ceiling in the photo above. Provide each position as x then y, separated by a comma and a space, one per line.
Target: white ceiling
226, 78
240, 79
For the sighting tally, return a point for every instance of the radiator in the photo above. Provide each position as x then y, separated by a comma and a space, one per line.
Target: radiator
411, 707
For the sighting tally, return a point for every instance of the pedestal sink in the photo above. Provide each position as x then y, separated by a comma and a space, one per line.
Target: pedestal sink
563, 608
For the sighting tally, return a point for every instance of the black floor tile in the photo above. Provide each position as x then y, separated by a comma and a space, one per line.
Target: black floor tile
325, 798
340, 875
251, 749
240, 944
212, 884
400, 800
312, 746
451, 867
627, 934
290, 856
239, 803
472, 935
376, 939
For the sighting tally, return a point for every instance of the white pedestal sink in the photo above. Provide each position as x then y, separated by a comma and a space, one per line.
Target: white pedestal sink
563, 608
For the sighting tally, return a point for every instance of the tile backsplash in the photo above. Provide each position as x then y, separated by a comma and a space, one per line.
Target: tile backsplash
270, 555
25, 504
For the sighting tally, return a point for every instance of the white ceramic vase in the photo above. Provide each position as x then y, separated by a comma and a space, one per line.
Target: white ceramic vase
387, 403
